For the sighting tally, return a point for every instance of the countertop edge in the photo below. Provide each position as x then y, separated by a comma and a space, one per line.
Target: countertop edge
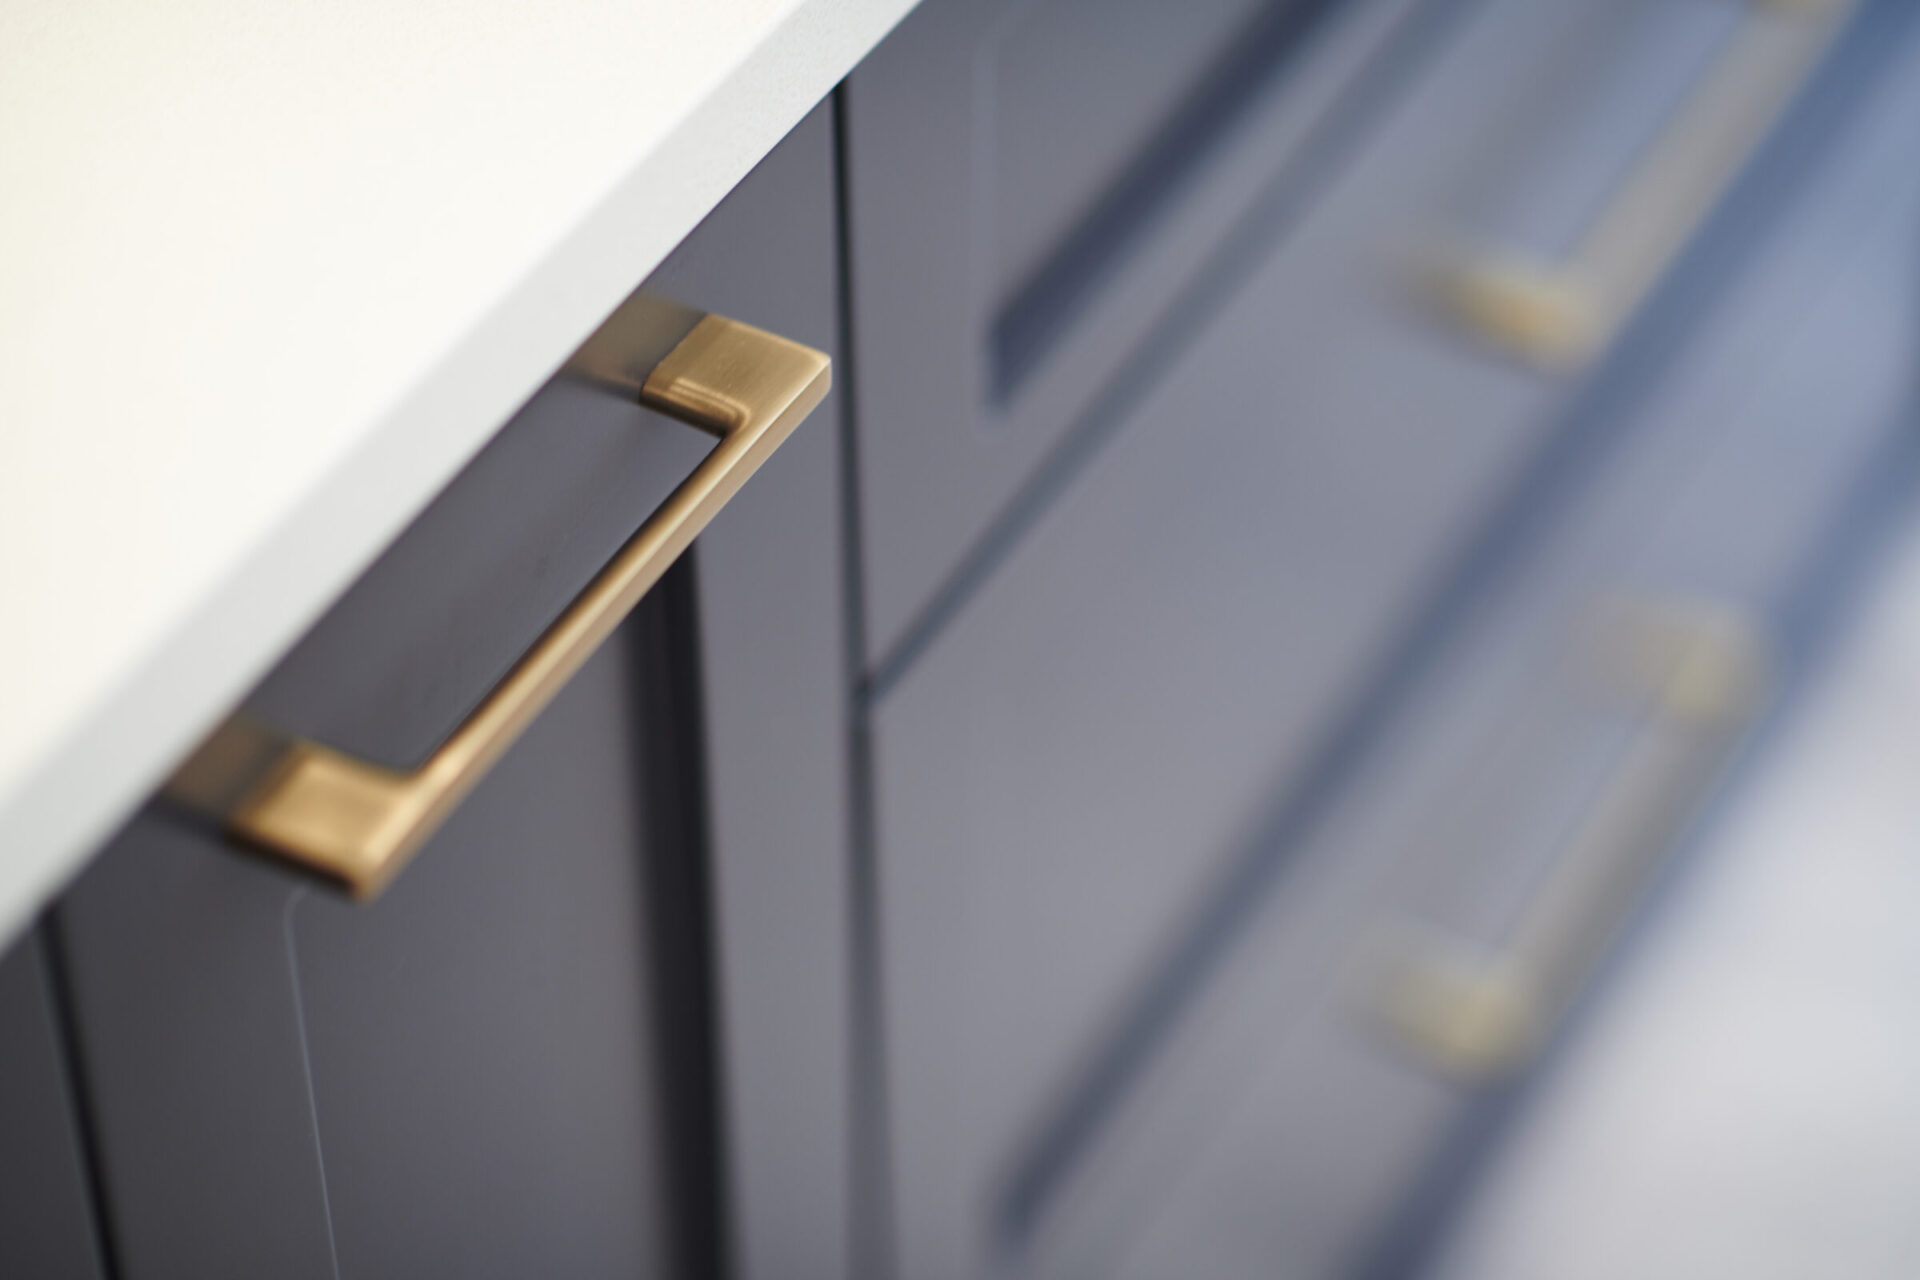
118, 750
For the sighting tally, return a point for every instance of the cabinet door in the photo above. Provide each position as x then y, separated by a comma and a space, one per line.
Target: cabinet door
47, 1226
463, 1077
508, 1064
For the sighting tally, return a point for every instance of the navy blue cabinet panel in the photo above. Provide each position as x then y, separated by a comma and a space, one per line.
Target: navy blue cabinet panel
1347, 1020
460, 1077
47, 1225
1117, 707
1033, 189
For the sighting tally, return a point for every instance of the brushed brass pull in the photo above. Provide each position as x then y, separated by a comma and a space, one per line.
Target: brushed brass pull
358, 823
1560, 314
1477, 1012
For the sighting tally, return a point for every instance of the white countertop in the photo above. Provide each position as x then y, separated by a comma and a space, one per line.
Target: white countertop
268, 276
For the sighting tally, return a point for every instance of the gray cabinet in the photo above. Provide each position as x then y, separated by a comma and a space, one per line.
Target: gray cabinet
1111, 728
465, 1076
1034, 193
775, 720
1421, 947
510, 1063
46, 1206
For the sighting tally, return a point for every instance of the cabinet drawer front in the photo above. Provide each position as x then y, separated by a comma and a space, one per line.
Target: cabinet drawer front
1523, 798
1076, 761
1031, 187
957, 451
47, 1225
292, 1084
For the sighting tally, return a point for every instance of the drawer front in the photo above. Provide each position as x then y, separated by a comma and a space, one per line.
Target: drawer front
509, 1063
1009, 283
1076, 762
1031, 187
47, 1225
1422, 943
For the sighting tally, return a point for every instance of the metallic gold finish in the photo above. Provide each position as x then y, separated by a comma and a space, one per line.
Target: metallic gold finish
1477, 1012
358, 823
1560, 314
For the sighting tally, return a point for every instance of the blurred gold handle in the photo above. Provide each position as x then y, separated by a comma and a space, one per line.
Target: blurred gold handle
1560, 314
358, 823
1477, 1012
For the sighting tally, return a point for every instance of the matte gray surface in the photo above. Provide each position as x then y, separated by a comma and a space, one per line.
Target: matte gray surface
47, 1227
947, 205
1071, 90
1070, 766
1284, 1122
773, 653
1303, 1169
456, 1080
481, 1039
183, 992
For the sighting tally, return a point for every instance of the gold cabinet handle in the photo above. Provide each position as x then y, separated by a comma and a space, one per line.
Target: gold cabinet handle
1559, 314
1476, 1012
358, 823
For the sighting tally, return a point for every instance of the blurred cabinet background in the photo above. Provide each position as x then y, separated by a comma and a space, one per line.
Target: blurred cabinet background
1321, 497
1370, 515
